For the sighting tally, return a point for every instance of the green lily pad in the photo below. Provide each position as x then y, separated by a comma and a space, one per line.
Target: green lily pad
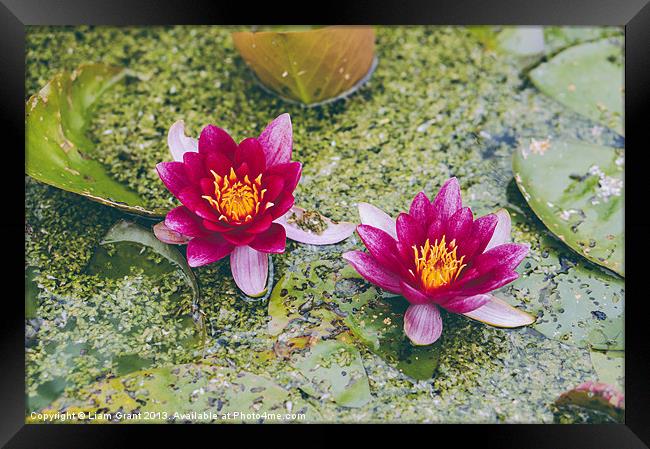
587, 78
336, 372
126, 231
301, 302
609, 366
378, 321
59, 153
576, 189
186, 393
575, 302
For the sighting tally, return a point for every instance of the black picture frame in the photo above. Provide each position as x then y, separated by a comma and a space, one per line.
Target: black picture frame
634, 15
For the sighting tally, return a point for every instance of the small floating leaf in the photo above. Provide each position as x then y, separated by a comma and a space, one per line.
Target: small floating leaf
582, 201
599, 401
185, 393
336, 372
310, 66
379, 323
587, 78
59, 153
125, 231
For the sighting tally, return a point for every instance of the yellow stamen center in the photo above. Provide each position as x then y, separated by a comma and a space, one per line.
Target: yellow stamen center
437, 265
236, 200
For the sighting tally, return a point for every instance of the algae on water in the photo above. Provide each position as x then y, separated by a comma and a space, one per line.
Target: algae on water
439, 104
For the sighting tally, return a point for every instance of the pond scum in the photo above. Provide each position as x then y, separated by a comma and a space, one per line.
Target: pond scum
438, 105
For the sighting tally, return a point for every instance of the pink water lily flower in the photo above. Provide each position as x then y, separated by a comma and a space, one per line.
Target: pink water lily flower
437, 255
236, 200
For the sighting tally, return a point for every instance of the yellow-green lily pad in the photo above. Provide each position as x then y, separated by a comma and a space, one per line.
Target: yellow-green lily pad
576, 189
309, 65
587, 78
185, 393
59, 153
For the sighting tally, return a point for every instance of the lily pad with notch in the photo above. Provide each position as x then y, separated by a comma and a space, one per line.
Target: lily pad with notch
59, 153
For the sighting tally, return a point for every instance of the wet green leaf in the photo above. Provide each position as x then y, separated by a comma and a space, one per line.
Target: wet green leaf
59, 153
378, 321
583, 205
523, 41
587, 78
188, 392
336, 373
125, 231
574, 301
310, 66
301, 303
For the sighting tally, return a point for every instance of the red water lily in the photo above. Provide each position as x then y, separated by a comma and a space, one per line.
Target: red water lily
437, 255
236, 199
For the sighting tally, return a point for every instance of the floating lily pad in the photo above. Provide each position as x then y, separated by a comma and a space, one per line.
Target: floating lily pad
594, 402
575, 302
125, 231
301, 301
576, 189
59, 153
587, 78
378, 322
186, 393
336, 373
310, 66
609, 366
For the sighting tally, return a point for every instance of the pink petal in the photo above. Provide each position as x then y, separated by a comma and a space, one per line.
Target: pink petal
374, 273
413, 295
261, 224
277, 140
215, 140
250, 151
166, 235
333, 233
183, 221
273, 240
422, 323
373, 216
508, 255
466, 304
282, 204
502, 230
250, 270
448, 200
195, 167
290, 172
499, 313
482, 231
238, 237
205, 250
409, 230
178, 142
459, 226
191, 198
421, 209
173, 175
381, 245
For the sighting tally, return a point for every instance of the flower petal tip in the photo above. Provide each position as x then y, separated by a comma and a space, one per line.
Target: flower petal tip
499, 313
250, 270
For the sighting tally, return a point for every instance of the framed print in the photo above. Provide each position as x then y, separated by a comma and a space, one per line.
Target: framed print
391, 218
